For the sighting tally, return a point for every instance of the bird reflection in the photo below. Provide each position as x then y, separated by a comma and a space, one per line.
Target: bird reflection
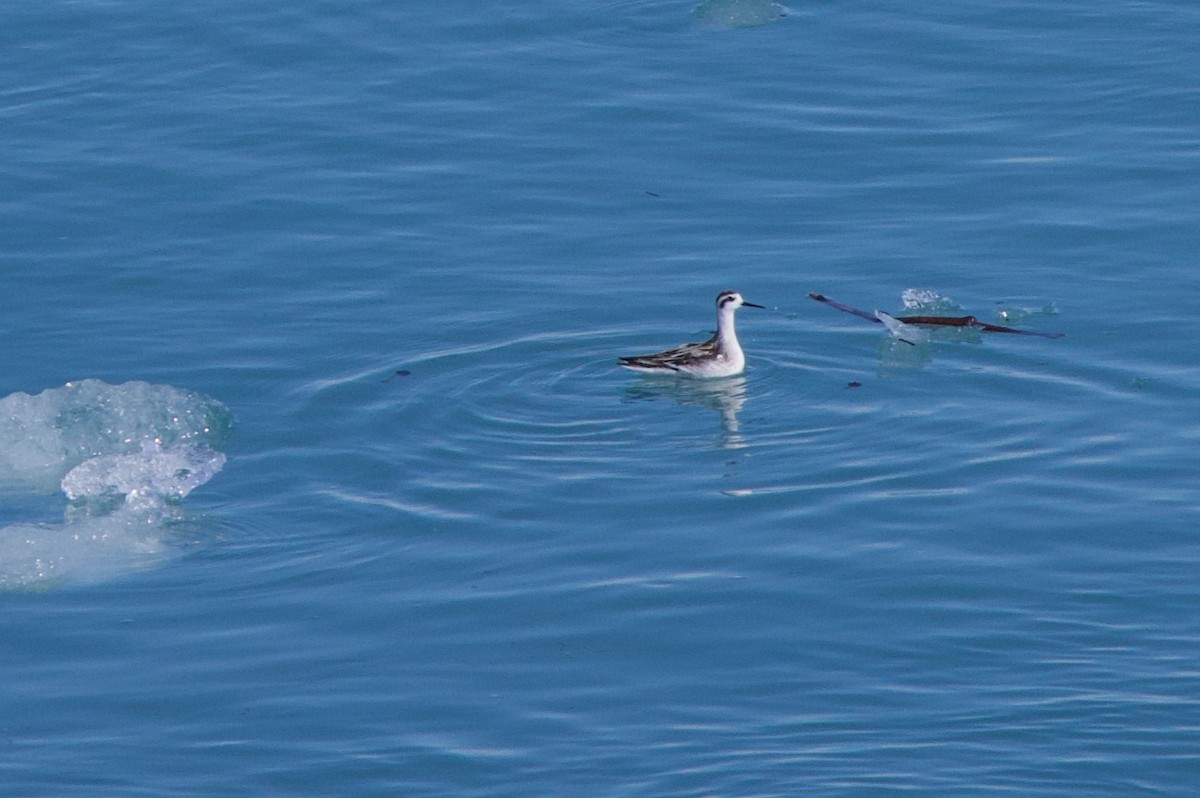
726, 396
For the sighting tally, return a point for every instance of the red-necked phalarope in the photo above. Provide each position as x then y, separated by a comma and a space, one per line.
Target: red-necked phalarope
719, 356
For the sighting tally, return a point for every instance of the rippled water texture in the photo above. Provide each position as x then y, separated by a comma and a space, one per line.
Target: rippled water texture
319, 475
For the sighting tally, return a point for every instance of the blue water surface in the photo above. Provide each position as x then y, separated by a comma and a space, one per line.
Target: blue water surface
452, 549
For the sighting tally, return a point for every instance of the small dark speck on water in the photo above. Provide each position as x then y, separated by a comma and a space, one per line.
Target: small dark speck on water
854, 384
399, 373
652, 194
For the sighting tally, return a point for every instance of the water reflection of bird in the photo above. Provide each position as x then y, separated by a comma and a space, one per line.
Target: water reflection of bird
726, 397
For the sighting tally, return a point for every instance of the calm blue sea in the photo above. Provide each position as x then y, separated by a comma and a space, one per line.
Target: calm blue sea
318, 476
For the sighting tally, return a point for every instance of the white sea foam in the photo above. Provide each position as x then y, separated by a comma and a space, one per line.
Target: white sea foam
123, 455
739, 13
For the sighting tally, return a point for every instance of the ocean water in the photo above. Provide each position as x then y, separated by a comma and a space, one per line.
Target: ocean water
318, 475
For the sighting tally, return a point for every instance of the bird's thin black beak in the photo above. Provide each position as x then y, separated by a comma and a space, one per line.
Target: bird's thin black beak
752, 305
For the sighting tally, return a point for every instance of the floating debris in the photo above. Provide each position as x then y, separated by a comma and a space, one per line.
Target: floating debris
930, 321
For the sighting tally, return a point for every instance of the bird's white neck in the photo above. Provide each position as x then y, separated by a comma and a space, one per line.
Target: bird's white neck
726, 331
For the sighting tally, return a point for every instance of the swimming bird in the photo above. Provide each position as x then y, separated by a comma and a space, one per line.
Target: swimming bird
719, 356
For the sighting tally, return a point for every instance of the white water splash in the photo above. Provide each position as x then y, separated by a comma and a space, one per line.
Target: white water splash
153, 475
123, 455
929, 302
